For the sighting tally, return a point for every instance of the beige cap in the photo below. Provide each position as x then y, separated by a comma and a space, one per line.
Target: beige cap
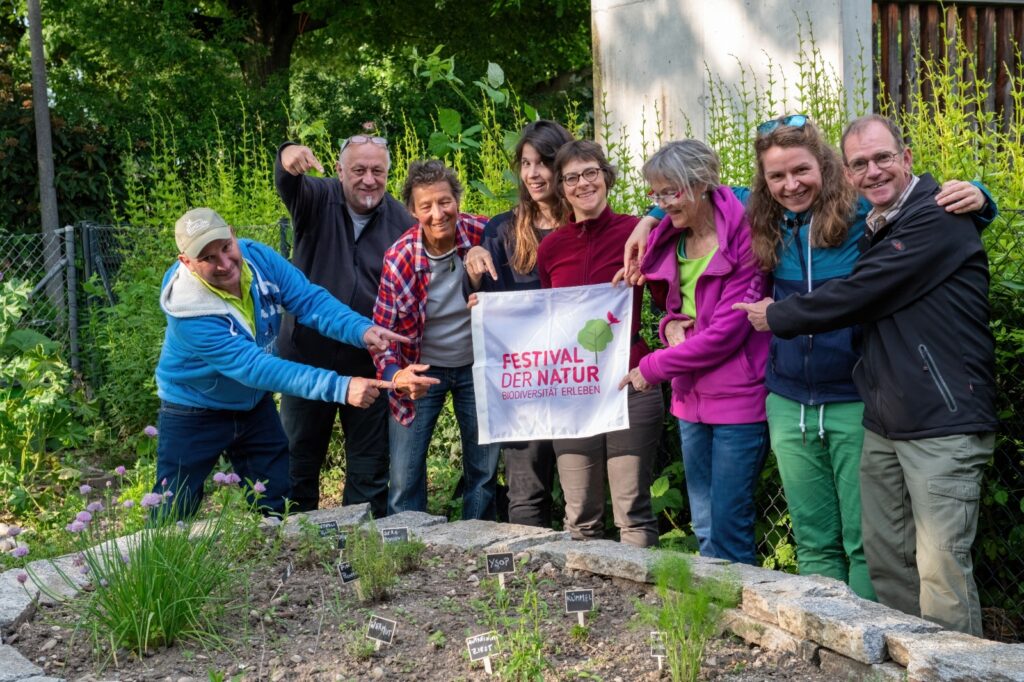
197, 228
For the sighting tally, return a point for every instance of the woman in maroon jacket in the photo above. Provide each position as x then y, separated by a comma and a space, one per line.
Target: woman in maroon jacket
589, 251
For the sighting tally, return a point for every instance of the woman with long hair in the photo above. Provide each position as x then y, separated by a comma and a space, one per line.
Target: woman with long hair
507, 261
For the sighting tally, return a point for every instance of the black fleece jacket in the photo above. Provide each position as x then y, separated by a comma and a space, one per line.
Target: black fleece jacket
920, 290
327, 252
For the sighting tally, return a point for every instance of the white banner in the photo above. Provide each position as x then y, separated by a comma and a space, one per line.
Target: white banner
547, 363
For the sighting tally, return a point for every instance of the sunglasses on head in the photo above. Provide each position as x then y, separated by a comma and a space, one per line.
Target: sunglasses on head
793, 120
363, 139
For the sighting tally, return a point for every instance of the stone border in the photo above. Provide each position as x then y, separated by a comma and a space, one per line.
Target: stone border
817, 619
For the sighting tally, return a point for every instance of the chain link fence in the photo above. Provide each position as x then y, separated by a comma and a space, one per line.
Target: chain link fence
91, 256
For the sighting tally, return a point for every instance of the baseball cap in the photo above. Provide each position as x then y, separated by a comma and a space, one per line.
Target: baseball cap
197, 228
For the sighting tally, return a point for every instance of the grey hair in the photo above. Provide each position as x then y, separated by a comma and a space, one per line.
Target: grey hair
387, 157
857, 126
684, 163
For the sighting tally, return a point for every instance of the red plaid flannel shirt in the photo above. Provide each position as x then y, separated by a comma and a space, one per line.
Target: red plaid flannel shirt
402, 300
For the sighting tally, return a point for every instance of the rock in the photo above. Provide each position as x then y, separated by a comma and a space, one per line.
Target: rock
295, 659
956, 656
277, 675
842, 668
377, 673
489, 536
761, 600
615, 559
348, 515
853, 627
473, 579
767, 636
47, 645
522, 558
14, 666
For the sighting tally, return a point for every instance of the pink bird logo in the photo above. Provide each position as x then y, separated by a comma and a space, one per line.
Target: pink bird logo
612, 319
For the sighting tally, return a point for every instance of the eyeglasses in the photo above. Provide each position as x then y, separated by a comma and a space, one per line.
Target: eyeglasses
794, 120
882, 160
590, 174
363, 139
664, 197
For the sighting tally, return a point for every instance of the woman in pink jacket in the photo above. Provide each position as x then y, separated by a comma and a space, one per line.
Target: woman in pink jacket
698, 264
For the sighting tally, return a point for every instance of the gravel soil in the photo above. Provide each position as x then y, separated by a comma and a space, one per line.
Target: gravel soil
313, 627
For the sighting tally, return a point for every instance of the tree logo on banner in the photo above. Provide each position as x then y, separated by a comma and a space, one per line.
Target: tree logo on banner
597, 334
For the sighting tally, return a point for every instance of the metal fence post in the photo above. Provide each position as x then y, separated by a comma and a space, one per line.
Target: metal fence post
72, 287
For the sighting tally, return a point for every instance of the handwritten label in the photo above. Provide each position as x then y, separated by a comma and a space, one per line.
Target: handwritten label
342, 537
502, 562
328, 528
381, 629
579, 601
394, 534
482, 645
346, 572
658, 645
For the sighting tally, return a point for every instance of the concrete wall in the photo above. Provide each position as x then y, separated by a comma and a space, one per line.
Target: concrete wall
651, 53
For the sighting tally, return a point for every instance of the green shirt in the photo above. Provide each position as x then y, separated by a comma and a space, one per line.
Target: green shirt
245, 304
690, 269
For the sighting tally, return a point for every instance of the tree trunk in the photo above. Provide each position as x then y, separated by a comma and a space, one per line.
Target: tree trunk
49, 220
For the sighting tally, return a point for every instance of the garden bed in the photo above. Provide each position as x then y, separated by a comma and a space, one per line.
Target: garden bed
313, 627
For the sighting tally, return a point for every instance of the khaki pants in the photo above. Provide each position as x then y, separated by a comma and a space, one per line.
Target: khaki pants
920, 514
628, 457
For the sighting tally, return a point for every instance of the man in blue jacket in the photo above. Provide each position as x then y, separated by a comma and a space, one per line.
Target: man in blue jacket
224, 299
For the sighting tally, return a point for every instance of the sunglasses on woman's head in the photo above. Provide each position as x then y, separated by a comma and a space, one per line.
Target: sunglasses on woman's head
793, 120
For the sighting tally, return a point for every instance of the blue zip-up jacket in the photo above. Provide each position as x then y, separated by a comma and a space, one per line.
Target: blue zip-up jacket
818, 369
211, 358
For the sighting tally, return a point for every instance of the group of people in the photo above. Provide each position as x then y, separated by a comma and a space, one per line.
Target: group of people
840, 295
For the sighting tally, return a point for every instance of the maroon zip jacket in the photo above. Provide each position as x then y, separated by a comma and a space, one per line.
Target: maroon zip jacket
590, 252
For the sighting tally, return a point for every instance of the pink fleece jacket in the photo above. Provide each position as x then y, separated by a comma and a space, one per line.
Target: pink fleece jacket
718, 372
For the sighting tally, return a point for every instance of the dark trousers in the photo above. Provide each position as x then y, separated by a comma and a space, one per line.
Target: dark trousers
193, 438
309, 424
530, 474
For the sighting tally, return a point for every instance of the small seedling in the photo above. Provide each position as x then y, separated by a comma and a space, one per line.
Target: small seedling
579, 633
437, 639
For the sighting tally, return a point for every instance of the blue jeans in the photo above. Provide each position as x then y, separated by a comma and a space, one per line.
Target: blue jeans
193, 438
722, 463
409, 445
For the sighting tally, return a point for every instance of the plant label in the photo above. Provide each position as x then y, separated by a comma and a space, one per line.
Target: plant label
499, 563
579, 601
381, 630
286, 573
394, 534
328, 528
658, 649
346, 572
341, 541
482, 646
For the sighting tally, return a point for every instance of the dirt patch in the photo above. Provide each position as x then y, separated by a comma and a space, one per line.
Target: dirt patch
312, 627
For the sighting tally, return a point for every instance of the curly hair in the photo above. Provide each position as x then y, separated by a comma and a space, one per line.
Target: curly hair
833, 209
422, 173
546, 137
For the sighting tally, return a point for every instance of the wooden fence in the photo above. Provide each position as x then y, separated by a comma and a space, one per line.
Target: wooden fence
906, 31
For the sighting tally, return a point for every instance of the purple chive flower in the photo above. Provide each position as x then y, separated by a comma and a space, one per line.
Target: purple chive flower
259, 487
19, 551
120, 471
128, 504
22, 578
94, 507
79, 560
163, 483
151, 431
84, 570
168, 494
103, 582
85, 488
13, 532
75, 527
125, 558
83, 516
220, 478
234, 479
151, 500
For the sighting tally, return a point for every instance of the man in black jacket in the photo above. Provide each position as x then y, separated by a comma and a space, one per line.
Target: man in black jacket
342, 228
920, 290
